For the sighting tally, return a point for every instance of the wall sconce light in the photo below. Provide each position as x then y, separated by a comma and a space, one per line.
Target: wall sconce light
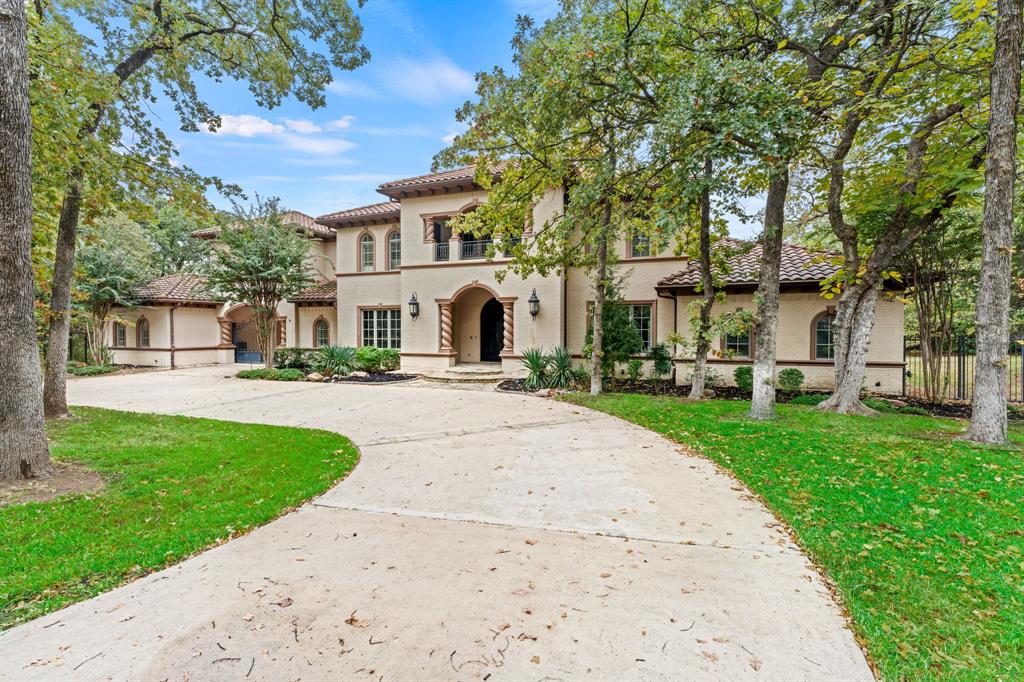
534, 304
414, 307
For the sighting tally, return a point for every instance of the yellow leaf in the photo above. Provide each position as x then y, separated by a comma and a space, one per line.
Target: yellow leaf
783, 43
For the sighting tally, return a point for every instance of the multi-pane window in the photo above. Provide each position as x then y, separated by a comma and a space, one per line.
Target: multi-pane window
394, 250
382, 328
366, 253
738, 345
823, 348
120, 335
640, 313
640, 246
321, 334
142, 328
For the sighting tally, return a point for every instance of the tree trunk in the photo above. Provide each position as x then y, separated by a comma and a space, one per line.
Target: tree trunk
600, 289
988, 415
55, 403
23, 449
700, 358
766, 322
851, 338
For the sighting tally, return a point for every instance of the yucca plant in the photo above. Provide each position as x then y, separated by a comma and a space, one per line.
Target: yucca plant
536, 364
335, 360
561, 372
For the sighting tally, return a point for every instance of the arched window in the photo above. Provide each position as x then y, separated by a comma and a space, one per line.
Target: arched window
822, 347
640, 246
366, 253
120, 335
142, 333
321, 333
394, 250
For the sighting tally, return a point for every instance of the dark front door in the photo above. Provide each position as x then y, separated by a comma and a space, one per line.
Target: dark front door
492, 331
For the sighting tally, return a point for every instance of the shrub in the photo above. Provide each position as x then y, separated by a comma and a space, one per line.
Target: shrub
92, 370
744, 377
536, 364
712, 379
809, 399
290, 374
335, 360
790, 379
261, 373
369, 358
662, 360
879, 405
561, 372
302, 359
635, 369
390, 359
914, 409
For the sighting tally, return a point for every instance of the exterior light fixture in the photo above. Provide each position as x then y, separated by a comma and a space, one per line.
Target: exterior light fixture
534, 304
414, 307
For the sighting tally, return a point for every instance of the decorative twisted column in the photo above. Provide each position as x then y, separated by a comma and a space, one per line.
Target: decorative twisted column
446, 328
508, 327
225, 333
282, 332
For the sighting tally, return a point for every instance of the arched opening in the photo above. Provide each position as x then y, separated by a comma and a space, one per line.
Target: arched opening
243, 334
492, 331
477, 327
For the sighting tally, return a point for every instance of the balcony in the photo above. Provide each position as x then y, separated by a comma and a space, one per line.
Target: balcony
441, 251
475, 249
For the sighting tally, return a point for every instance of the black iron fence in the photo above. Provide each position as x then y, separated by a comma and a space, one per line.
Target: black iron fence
948, 373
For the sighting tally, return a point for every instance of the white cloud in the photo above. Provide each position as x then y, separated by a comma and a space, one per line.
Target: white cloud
343, 123
349, 88
360, 177
449, 138
430, 81
302, 126
245, 125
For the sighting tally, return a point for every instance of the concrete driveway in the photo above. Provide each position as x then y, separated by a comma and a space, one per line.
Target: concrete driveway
482, 536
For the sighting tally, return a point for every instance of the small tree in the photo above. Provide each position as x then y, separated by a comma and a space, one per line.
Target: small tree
261, 264
176, 249
620, 339
111, 269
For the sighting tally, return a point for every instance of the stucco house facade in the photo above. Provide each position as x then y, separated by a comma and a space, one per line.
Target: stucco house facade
398, 278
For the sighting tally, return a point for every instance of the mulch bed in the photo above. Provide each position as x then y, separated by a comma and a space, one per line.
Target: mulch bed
382, 378
665, 387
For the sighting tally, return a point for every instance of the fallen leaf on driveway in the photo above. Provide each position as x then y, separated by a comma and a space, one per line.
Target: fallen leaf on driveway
755, 663
606, 575
535, 659
284, 603
531, 542
247, 617
356, 622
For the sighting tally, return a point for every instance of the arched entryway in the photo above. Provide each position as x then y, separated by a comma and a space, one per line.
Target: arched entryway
476, 325
243, 334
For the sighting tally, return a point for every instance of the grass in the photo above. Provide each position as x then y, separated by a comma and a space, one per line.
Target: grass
175, 485
922, 534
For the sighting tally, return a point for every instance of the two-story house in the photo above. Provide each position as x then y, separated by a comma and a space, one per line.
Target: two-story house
403, 280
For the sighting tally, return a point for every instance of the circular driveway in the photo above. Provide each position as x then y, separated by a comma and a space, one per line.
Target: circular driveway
482, 536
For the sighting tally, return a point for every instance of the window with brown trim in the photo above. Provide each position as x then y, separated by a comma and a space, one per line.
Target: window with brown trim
639, 246
321, 333
382, 327
737, 345
366, 255
120, 335
142, 333
394, 250
822, 344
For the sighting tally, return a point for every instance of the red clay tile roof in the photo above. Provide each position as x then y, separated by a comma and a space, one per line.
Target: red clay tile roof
383, 211
799, 266
455, 178
296, 218
326, 292
178, 288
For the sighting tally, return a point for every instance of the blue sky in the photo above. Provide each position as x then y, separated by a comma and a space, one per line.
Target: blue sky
384, 121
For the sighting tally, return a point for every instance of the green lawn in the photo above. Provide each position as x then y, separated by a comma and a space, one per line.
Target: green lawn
922, 534
175, 485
